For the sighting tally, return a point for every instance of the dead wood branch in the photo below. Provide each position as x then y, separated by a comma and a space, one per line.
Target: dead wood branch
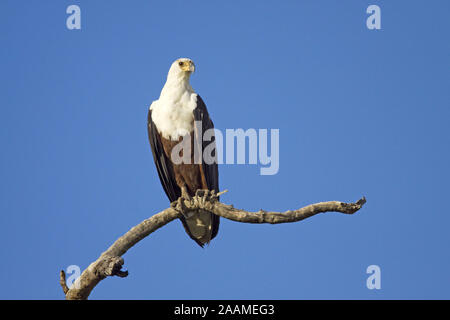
110, 262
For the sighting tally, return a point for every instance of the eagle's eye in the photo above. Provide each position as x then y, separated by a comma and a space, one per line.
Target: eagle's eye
180, 63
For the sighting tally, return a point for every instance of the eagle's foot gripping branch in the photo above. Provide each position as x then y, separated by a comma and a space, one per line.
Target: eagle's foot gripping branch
203, 200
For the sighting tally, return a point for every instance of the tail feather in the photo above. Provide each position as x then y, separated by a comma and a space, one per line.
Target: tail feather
202, 229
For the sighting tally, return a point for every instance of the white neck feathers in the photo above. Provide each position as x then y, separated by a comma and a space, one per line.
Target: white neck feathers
173, 112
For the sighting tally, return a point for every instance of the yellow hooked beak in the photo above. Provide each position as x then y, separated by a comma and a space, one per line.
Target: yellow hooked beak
187, 66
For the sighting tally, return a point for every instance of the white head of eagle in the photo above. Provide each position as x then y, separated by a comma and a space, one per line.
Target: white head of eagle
171, 120
178, 77
181, 68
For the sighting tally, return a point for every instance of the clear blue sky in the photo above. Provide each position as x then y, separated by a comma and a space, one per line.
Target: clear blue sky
360, 112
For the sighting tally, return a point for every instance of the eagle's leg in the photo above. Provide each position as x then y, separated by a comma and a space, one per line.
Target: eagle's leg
181, 202
185, 193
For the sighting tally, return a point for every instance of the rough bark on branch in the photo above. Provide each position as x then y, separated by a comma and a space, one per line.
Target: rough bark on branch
110, 262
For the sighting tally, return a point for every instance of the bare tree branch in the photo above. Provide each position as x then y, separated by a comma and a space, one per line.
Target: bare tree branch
110, 262
62, 281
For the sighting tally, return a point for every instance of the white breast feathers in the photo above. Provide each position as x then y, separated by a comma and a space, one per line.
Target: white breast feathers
173, 114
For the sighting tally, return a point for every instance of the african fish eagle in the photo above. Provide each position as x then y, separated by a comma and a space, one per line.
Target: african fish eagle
170, 120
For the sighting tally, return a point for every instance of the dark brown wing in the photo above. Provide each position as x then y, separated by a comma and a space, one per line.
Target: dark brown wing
210, 171
163, 164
